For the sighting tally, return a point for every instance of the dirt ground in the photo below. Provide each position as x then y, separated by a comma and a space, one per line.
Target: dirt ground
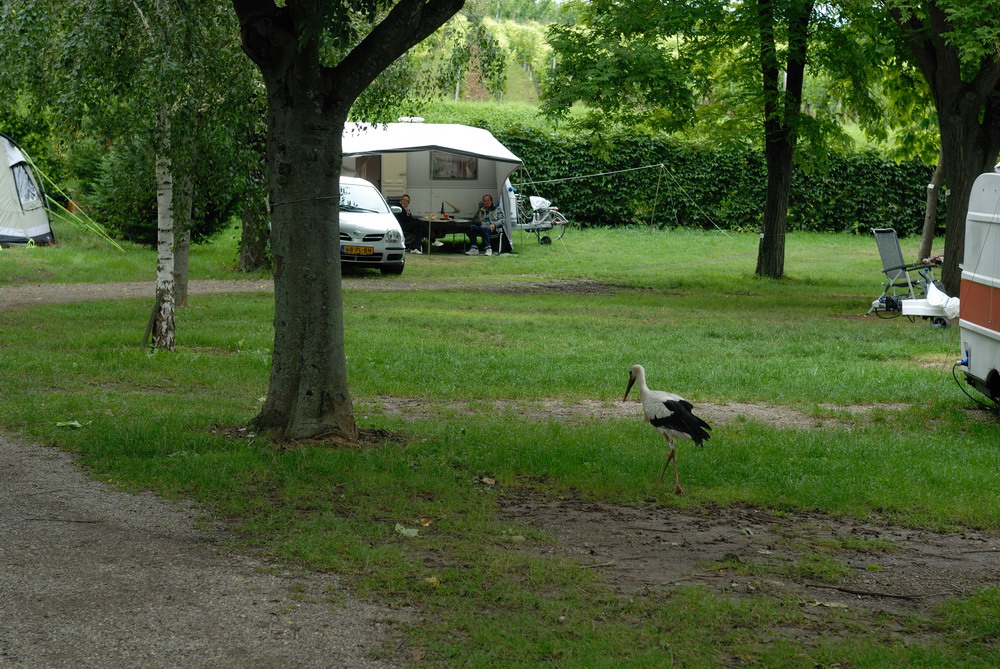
95, 577
735, 551
892, 569
49, 293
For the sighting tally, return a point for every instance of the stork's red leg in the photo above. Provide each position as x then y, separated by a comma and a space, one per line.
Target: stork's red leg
669, 458
664, 471
677, 479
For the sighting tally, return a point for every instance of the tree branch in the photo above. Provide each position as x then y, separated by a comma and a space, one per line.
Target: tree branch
949, 68
987, 79
798, 43
916, 38
408, 23
267, 32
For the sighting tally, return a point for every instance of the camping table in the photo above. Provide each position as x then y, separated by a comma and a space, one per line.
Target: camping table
445, 224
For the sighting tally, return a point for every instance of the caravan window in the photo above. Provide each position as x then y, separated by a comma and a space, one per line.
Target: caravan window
26, 189
453, 166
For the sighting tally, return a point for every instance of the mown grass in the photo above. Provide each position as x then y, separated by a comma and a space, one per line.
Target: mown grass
82, 257
686, 306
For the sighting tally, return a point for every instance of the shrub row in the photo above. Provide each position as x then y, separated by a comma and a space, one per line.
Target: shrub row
595, 182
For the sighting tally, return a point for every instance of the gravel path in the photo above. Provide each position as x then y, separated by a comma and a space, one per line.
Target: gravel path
60, 293
93, 577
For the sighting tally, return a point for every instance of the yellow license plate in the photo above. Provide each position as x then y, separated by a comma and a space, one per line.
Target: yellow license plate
357, 250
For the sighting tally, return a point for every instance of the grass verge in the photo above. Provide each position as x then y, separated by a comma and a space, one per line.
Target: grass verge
566, 325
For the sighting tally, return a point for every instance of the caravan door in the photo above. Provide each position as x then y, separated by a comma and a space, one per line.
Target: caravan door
393, 174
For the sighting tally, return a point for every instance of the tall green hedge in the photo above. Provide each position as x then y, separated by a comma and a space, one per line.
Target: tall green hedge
700, 188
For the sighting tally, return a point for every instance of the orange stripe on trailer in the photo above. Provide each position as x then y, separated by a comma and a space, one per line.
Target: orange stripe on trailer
980, 304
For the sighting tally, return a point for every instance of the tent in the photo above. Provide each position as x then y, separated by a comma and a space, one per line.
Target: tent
23, 216
444, 168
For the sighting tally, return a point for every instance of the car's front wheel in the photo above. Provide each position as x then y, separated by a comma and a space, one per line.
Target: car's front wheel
392, 269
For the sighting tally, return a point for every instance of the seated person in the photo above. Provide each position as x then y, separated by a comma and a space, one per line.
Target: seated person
414, 230
483, 225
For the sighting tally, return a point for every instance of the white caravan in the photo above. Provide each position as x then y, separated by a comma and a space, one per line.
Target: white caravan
444, 168
980, 296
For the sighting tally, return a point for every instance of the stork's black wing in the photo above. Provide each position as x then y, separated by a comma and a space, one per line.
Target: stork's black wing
681, 419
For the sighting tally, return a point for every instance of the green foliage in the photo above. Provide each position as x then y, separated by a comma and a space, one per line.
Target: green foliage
35, 130
518, 11
123, 195
703, 188
699, 186
162, 77
464, 46
492, 117
624, 70
975, 28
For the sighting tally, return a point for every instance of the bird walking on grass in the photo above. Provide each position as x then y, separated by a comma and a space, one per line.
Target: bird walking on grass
671, 415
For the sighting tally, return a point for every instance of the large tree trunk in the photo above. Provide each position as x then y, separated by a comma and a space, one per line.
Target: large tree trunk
308, 394
967, 101
307, 107
781, 112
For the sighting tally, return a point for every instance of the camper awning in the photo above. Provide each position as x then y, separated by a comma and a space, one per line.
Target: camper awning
364, 139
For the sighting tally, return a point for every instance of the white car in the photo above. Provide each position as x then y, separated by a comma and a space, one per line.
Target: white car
370, 235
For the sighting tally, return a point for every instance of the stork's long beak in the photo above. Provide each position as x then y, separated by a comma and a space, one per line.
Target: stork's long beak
631, 380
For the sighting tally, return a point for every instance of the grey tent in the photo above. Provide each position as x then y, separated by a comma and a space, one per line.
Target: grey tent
23, 216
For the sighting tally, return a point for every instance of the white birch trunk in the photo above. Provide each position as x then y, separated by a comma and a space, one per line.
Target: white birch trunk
163, 311
930, 211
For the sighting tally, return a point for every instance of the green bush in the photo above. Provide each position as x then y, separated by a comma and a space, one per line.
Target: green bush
123, 197
700, 188
598, 183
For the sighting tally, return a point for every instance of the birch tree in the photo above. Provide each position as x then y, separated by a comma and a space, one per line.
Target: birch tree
152, 73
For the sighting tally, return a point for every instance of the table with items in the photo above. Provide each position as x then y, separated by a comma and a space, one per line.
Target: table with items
439, 225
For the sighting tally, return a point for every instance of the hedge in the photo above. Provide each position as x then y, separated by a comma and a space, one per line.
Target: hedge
699, 188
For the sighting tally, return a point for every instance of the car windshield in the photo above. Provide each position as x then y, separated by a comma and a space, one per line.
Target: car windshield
354, 197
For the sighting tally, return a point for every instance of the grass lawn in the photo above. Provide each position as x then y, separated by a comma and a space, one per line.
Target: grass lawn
490, 354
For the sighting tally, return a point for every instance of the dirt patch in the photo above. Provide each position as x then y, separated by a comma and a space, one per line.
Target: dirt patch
95, 577
573, 287
741, 551
64, 293
714, 414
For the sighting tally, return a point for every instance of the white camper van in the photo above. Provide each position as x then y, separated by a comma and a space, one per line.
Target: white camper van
980, 296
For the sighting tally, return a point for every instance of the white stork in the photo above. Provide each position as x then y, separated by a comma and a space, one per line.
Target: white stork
671, 415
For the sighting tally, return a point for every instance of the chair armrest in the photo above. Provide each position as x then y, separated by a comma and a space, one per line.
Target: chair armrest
910, 266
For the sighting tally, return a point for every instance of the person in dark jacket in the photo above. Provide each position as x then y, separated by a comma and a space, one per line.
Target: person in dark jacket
482, 227
414, 230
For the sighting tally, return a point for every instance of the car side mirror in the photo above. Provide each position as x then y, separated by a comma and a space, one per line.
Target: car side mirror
396, 210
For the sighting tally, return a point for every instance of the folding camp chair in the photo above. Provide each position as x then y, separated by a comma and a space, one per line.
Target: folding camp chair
904, 281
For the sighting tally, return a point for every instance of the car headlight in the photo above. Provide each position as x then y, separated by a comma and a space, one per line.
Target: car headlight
394, 236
